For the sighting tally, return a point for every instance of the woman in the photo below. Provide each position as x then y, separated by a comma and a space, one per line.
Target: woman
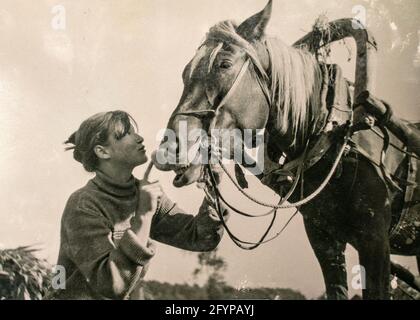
107, 226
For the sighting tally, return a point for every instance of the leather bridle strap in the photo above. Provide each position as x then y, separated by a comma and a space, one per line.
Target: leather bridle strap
211, 113
235, 85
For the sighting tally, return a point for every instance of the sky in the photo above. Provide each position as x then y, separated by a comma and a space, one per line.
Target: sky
129, 55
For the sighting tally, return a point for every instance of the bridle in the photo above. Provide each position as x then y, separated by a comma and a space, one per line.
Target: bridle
212, 112
262, 79
211, 183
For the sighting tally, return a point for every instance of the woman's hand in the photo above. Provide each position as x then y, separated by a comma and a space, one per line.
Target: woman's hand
149, 194
211, 198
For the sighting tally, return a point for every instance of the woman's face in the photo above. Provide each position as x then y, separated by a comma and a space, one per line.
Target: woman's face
128, 151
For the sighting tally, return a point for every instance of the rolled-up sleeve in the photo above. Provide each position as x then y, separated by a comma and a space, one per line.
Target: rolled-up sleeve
173, 226
109, 269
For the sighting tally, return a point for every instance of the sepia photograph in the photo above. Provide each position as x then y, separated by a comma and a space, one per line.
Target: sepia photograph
203, 150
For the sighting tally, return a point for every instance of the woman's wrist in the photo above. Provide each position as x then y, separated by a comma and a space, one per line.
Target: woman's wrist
136, 225
141, 224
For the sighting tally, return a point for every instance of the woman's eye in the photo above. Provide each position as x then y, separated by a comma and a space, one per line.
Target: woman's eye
225, 65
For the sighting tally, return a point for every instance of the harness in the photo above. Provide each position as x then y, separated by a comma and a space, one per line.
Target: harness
301, 164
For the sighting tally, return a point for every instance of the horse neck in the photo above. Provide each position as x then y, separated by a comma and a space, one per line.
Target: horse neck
296, 81
293, 143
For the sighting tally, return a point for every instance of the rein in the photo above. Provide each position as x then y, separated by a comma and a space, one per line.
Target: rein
301, 202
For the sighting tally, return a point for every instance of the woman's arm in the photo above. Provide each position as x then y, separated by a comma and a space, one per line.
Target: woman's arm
173, 226
109, 269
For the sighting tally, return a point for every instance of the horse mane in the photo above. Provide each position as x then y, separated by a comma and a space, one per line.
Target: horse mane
294, 79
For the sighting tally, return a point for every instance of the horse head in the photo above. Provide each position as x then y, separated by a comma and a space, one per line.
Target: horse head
233, 83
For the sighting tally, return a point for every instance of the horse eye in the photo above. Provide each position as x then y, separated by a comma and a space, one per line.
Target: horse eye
225, 65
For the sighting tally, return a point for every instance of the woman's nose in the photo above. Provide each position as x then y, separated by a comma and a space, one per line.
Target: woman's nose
139, 138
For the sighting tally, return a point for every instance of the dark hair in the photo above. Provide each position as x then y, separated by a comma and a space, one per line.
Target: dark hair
95, 131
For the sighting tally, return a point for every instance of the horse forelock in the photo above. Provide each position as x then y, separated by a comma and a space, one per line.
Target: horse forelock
213, 56
199, 56
225, 32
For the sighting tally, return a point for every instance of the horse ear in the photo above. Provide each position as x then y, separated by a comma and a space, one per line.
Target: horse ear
253, 28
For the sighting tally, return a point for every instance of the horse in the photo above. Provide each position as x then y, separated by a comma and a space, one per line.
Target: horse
242, 79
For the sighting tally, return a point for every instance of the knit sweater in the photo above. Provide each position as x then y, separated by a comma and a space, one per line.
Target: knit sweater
101, 254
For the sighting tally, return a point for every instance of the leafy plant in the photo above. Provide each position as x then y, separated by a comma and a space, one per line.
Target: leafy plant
23, 276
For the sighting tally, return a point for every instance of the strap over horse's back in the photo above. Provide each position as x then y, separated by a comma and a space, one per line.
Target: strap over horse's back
397, 134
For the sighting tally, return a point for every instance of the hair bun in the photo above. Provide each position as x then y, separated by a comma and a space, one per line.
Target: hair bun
77, 155
71, 140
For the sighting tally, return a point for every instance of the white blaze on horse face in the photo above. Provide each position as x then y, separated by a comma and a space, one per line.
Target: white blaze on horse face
201, 53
